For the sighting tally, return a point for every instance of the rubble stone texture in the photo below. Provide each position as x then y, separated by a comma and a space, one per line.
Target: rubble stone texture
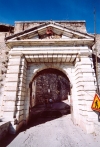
5, 30
4, 57
59, 88
98, 50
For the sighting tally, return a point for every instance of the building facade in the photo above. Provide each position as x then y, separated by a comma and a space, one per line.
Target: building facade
61, 47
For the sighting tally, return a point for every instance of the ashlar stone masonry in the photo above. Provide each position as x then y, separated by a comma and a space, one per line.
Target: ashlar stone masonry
59, 45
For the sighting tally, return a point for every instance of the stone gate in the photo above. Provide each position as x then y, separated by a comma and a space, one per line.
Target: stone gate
35, 46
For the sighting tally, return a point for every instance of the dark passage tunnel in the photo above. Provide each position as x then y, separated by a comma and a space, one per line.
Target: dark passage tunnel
49, 84
48, 92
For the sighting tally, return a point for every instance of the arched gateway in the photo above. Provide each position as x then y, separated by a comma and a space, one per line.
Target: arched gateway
49, 84
50, 45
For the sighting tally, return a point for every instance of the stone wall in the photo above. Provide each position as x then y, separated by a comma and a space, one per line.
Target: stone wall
4, 57
20, 73
53, 86
15, 92
98, 48
74, 25
85, 87
5, 30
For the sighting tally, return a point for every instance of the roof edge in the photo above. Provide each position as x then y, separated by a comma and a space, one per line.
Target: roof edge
7, 25
62, 21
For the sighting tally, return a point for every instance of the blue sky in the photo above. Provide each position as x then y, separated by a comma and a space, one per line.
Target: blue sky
30, 10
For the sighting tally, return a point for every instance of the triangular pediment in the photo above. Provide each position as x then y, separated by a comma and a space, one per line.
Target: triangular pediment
49, 30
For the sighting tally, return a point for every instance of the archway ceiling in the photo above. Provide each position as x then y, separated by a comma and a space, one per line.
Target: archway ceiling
68, 58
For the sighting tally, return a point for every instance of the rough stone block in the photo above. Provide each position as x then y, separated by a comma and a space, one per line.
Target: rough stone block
10, 95
13, 69
11, 88
22, 76
21, 98
7, 84
8, 108
12, 75
22, 85
22, 89
8, 115
24, 64
20, 107
14, 62
20, 112
22, 80
12, 79
21, 94
19, 103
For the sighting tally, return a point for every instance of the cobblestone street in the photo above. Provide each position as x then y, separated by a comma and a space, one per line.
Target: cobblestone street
58, 132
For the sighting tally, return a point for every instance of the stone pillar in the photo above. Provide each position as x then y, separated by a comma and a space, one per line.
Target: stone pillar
74, 98
27, 103
20, 103
86, 88
13, 104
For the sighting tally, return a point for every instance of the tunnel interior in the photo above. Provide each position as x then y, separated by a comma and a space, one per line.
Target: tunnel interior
49, 84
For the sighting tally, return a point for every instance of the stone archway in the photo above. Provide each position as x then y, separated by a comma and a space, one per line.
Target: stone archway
48, 83
30, 54
21, 73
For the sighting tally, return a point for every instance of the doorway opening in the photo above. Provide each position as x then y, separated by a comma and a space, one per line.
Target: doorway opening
49, 84
49, 92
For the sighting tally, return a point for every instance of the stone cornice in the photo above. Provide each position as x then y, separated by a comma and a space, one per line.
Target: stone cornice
50, 42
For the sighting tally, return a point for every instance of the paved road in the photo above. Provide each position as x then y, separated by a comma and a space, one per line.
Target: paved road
59, 132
